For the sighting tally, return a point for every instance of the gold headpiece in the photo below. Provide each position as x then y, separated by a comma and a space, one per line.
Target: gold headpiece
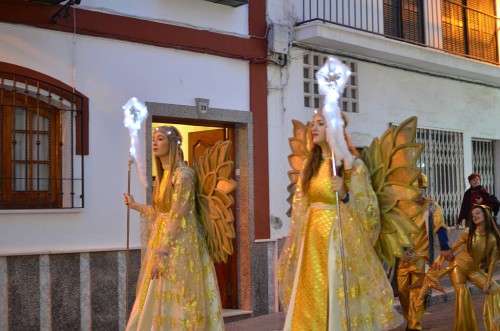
422, 181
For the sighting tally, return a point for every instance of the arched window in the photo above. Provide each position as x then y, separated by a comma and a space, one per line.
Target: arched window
42, 136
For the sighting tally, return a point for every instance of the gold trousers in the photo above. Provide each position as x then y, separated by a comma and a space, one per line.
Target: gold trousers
409, 279
465, 317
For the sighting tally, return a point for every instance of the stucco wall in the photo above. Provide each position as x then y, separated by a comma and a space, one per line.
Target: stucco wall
109, 72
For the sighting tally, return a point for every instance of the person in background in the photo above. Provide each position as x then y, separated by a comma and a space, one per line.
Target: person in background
411, 269
479, 243
476, 194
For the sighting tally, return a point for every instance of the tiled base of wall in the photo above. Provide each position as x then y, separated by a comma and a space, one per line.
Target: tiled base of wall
82, 291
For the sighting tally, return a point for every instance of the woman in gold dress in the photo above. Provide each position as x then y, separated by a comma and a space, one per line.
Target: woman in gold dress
177, 288
310, 267
478, 243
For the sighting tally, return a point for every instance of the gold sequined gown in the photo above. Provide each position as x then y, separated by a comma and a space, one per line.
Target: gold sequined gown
177, 287
467, 268
310, 264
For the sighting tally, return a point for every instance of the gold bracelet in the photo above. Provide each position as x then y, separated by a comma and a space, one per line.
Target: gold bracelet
347, 176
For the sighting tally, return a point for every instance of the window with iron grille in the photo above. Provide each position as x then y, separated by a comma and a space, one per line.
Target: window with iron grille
442, 160
404, 19
312, 62
483, 162
470, 28
41, 136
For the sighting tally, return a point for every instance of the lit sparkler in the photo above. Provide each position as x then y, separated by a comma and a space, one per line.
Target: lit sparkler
332, 78
134, 114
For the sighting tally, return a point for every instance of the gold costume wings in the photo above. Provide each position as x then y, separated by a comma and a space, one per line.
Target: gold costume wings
214, 200
300, 144
391, 163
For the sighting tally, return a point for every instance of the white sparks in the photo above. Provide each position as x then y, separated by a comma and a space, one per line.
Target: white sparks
134, 114
332, 78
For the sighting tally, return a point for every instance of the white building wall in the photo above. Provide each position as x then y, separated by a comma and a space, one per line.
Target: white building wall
386, 95
109, 72
193, 13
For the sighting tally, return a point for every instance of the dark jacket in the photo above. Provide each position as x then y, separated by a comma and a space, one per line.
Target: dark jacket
469, 200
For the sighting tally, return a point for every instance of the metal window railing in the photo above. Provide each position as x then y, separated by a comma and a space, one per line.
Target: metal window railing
470, 32
439, 24
39, 166
483, 162
442, 160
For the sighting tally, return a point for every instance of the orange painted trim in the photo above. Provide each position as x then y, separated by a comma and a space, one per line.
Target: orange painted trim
82, 120
258, 105
109, 26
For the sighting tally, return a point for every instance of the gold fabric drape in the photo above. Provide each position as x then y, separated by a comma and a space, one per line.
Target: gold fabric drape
177, 288
303, 266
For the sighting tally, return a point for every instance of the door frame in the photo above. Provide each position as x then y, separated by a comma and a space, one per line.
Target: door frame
242, 121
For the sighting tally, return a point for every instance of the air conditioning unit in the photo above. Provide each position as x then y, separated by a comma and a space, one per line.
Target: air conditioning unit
231, 3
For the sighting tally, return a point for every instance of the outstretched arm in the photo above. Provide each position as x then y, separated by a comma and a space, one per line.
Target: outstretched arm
460, 241
148, 210
442, 232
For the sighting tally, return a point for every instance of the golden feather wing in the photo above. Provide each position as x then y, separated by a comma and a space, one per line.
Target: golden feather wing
214, 200
300, 144
391, 162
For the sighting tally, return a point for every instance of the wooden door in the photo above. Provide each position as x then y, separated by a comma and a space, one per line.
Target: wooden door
226, 272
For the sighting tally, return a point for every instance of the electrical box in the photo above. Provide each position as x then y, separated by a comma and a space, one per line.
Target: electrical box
279, 38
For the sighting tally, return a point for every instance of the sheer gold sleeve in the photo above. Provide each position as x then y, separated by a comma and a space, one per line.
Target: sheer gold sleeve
180, 204
288, 261
363, 204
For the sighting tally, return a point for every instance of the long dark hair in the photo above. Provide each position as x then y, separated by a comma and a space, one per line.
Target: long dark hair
312, 166
174, 139
314, 159
490, 227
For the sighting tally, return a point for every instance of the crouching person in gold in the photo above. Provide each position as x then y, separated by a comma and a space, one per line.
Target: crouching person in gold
480, 242
411, 269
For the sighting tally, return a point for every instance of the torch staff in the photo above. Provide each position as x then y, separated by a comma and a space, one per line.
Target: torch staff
134, 114
127, 252
342, 253
332, 78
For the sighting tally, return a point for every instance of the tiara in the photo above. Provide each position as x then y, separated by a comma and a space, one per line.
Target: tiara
482, 206
172, 134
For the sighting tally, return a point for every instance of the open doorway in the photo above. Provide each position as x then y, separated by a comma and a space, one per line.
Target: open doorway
197, 137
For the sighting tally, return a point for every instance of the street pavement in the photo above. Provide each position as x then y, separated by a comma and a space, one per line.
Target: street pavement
438, 317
